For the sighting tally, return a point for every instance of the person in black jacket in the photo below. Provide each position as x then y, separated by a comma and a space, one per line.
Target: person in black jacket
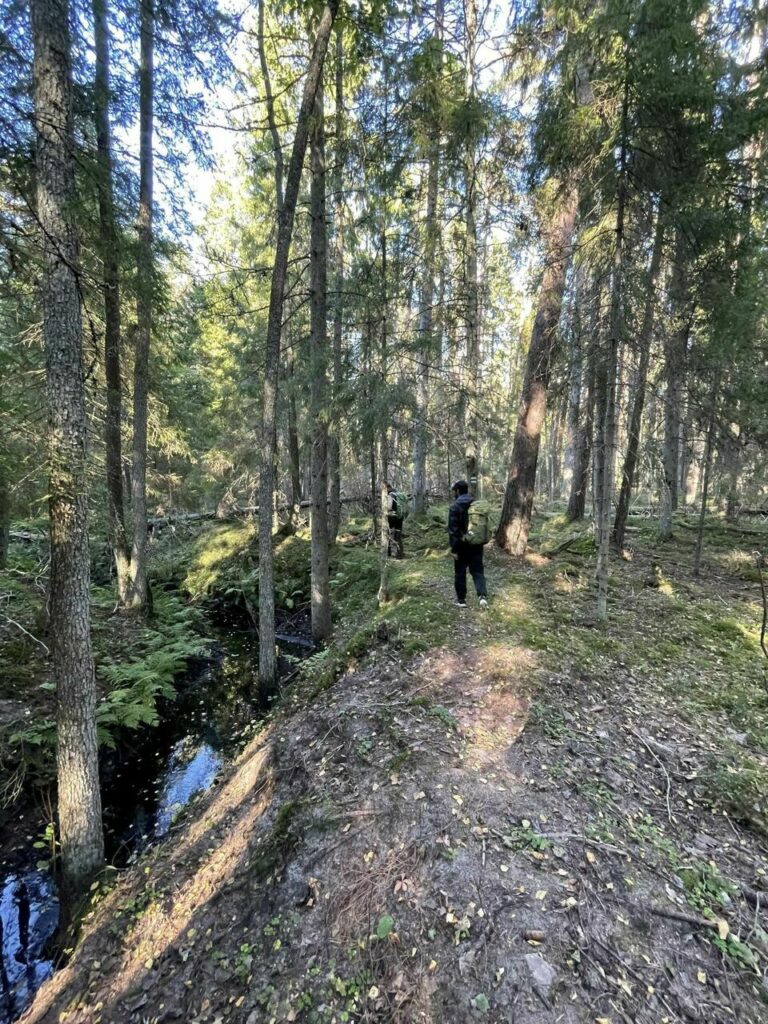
395, 524
465, 556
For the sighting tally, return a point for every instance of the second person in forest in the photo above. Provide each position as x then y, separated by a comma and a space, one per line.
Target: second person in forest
468, 531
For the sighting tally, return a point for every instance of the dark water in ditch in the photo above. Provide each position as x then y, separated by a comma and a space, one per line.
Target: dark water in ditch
145, 784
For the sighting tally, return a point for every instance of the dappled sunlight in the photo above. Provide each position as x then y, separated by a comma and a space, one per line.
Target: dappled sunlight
213, 550
489, 692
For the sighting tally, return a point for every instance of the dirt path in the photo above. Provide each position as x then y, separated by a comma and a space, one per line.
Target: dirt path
496, 830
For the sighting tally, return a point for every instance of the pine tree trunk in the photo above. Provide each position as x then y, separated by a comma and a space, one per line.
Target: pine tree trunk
515, 524
577, 500
732, 460
267, 652
636, 417
294, 453
382, 436
5, 516
471, 286
320, 602
426, 339
138, 596
108, 240
675, 357
575, 384
270, 103
334, 440
706, 474
605, 496
79, 801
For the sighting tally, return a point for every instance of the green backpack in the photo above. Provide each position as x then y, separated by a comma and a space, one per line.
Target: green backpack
400, 505
479, 527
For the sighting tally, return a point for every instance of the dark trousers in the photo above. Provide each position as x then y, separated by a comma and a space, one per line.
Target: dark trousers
469, 556
395, 544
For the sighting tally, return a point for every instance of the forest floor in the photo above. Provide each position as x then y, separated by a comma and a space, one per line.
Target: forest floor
513, 815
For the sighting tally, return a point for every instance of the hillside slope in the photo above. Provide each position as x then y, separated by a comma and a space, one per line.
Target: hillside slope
530, 819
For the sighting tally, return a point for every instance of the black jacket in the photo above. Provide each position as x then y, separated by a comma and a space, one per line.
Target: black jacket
458, 520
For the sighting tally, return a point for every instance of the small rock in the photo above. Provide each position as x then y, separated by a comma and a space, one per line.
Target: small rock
542, 974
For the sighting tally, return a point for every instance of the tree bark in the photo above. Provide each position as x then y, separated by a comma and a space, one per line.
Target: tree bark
605, 497
636, 416
320, 602
675, 357
138, 596
5, 516
515, 524
426, 339
294, 453
706, 474
471, 284
270, 101
577, 500
382, 434
108, 239
334, 440
267, 653
79, 801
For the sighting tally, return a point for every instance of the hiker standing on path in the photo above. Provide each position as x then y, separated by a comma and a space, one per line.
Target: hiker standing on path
397, 510
468, 531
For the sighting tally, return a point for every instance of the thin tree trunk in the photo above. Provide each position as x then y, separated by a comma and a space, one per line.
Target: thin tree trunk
609, 429
382, 442
269, 97
732, 460
5, 516
636, 417
426, 339
705, 475
575, 381
294, 453
138, 596
79, 801
577, 500
267, 653
471, 284
334, 440
675, 357
108, 239
320, 602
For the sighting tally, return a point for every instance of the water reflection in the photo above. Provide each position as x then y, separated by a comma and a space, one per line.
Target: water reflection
190, 770
29, 913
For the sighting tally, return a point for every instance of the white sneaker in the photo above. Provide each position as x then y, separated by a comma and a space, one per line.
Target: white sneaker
483, 602
461, 604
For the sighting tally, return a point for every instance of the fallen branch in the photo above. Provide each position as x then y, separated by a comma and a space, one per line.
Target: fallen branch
681, 915
663, 767
26, 632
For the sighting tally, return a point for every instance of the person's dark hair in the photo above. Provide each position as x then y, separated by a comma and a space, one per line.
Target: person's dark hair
461, 487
